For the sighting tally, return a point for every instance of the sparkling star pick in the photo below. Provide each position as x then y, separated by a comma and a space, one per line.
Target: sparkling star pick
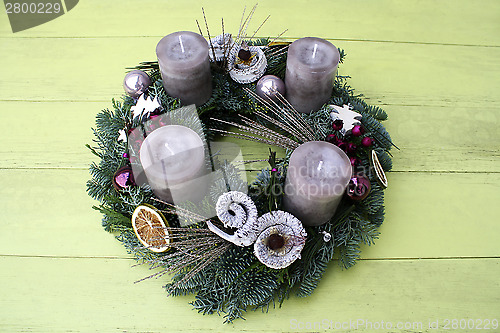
144, 106
350, 118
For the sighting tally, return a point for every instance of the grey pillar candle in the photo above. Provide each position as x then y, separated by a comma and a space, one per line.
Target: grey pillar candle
311, 67
317, 177
173, 159
185, 67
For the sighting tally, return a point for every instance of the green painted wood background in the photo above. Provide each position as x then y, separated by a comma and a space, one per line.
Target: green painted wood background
434, 65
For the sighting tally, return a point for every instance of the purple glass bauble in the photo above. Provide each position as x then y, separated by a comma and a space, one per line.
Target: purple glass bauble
359, 187
123, 178
269, 86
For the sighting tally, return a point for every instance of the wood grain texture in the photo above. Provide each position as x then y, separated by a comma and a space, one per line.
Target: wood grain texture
431, 64
83, 295
459, 22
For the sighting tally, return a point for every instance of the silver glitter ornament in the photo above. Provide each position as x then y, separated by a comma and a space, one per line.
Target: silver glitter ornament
136, 83
269, 86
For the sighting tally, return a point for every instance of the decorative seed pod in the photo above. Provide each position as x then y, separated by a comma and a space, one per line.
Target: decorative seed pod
379, 171
242, 72
281, 240
222, 45
244, 53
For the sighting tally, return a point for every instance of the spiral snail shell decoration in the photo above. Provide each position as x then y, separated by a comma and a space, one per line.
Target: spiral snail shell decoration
236, 210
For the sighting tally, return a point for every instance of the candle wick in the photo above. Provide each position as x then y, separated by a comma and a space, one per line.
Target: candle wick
182, 45
314, 51
320, 166
168, 147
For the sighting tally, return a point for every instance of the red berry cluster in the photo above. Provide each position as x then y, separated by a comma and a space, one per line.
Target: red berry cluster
349, 143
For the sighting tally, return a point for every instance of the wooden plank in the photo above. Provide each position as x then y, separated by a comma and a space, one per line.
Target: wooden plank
61, 295
92, 69
447, 21
431, 138
47, 212
48, 135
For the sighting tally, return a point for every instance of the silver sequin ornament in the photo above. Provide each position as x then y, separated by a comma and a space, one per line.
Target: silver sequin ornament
326, 236
269, 86
136, 83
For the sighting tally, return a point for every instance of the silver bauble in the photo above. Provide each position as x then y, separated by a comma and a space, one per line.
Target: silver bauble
269, 86
136, 83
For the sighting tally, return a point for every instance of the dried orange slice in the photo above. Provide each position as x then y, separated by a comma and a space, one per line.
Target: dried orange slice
151, 228
379, 171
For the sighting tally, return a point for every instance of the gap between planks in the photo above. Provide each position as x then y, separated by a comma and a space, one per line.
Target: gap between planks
361, 259
288, 38
259, 170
